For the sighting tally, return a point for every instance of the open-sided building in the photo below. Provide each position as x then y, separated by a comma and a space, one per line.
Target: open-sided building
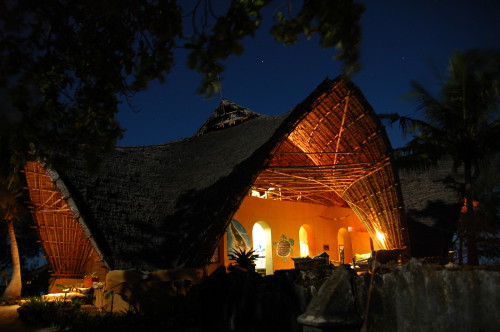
320, 178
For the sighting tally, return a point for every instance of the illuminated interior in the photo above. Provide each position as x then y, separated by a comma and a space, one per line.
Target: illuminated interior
337, 160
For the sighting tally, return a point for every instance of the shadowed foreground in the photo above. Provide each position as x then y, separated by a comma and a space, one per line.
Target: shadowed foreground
9, 321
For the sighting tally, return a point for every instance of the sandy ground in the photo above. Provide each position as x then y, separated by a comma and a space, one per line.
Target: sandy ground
9, 321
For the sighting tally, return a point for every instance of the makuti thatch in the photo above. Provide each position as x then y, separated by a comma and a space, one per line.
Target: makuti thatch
167, 206
432, 201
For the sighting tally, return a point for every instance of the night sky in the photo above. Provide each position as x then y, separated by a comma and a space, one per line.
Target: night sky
402, 41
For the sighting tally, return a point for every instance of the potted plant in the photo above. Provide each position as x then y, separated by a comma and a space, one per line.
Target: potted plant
244, 259
89, 279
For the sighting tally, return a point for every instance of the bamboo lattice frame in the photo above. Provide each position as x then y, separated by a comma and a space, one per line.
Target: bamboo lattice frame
338, 154
67, 247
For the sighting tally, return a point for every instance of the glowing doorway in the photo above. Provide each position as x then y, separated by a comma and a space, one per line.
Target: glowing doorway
304, 244
261, 235
307, 241
345, 246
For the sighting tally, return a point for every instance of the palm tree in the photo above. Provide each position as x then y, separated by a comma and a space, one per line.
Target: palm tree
463, 124
9, 211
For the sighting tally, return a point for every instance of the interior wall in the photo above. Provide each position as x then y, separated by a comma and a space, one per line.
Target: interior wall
360, 240
285, 219
96, 266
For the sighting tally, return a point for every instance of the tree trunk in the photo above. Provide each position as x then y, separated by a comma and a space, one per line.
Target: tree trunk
13, 289
470, 226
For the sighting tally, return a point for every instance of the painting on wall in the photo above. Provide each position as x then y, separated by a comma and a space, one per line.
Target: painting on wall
284, 247
237, 237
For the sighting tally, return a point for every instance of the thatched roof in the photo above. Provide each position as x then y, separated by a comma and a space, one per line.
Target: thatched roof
432, 201
227, 114
158, 206
167, 206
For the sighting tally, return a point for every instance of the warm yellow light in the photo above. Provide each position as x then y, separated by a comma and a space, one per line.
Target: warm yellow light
381, 237
256, 193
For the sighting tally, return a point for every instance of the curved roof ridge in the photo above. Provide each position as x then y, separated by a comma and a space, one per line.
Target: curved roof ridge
125, 147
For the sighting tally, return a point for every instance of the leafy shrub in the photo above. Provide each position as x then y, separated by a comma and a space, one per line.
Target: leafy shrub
41, 312
67, 315
37, 311
6, 300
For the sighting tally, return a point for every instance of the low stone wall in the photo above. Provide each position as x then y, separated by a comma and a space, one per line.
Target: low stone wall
146, 289
412, 297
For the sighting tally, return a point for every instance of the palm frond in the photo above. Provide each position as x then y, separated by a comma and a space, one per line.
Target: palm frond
243, 257
490, 137
420, 154
414, 126
9, 200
